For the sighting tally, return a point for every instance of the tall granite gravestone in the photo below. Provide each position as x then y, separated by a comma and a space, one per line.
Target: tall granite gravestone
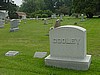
68, 48
14, 25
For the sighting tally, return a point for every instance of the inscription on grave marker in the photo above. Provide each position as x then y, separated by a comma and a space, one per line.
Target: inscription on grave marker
66, 41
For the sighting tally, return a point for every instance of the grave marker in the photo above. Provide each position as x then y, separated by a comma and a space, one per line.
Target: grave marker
14, 25
40, 54
57, 24
68, 48
45, 21
82, 17
61, 17
11, 53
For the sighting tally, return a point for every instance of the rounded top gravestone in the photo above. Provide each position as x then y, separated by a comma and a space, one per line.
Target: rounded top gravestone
68, 48
68, 42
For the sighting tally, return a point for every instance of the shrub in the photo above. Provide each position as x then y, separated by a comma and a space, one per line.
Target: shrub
48, 12
44, 15
39, 15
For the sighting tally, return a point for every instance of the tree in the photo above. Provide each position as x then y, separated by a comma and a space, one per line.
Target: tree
30, 6
10, 7
89, 7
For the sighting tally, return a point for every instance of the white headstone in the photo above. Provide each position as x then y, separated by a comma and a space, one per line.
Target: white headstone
14, 25
3, 14
68, 48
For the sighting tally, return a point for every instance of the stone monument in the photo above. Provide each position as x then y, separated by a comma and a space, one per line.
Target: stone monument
14, 25
45, 21
68, 48
57, 24
82, 17
61, 17
37, 18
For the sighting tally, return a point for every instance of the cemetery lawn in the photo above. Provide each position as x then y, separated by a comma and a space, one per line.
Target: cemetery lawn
32, 38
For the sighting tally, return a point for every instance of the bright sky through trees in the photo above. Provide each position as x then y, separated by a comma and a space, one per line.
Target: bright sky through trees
18, 2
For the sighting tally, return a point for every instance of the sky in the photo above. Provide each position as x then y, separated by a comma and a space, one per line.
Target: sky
18, 2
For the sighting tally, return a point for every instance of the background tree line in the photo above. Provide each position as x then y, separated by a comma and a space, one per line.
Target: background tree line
44, 8
87, 7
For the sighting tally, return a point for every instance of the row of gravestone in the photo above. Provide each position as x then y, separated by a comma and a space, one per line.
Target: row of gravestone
14, 24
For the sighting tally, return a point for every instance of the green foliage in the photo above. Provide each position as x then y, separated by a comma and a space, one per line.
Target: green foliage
12, 11
89, 7
63, 10
13, 15
42, 13
39, 15
48, 12
30, 6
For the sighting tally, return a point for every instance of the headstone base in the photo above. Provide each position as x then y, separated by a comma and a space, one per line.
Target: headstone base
14, 29
76, 64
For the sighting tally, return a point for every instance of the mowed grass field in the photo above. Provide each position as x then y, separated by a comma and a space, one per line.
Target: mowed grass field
32, 38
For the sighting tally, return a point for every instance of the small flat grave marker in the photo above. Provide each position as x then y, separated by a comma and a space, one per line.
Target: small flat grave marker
11, 53
40, 54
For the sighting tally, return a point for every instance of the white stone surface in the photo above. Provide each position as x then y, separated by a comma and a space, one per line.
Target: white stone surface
40, 54
3, 14
76, 64
11, 53
68, 42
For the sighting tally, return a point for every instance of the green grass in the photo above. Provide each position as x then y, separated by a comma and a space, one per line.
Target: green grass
31, 38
